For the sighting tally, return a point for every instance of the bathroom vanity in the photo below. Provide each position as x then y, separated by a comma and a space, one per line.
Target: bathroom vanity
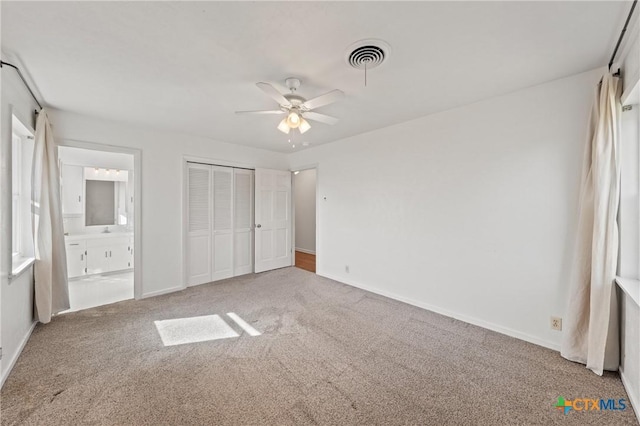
89, 254
97, 210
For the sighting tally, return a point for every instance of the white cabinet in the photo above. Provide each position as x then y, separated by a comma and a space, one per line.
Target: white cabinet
72, 183
107, 254
131, 252
119, 257
97, 260
76, 259
98, 254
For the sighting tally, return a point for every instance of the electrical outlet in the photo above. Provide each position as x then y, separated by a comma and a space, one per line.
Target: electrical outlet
556, 323
346, 268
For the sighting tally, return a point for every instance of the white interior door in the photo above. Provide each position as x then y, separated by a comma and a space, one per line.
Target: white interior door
243, 225
273, 219
222, 223
199, 214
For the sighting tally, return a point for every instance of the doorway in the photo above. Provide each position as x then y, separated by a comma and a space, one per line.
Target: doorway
304, 196
99, 217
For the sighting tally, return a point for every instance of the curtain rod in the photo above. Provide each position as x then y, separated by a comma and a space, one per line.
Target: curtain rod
624, 30
2, 63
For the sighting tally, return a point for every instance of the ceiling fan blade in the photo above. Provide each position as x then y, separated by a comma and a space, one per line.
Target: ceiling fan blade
275, 111
273, 92
322, 118
325, 99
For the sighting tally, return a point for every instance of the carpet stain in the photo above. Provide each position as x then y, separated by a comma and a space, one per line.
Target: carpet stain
56, 394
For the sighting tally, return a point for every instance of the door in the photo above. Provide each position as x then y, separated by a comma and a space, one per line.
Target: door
119, 257
199, 214
97, 260
243, 224
273, 219
222, 223
75, 260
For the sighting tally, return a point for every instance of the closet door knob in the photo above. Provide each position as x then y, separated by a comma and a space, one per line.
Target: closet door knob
258, 226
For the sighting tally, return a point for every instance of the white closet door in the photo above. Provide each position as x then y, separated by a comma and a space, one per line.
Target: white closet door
243, 226
273, 219
222, 223
199, 215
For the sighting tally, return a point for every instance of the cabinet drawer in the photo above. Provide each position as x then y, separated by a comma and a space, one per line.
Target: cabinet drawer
79, 244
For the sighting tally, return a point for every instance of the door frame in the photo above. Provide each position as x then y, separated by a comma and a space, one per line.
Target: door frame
137, 200
185, 230
311, 166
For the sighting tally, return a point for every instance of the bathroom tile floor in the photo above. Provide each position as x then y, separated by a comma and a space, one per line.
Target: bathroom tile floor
98, 290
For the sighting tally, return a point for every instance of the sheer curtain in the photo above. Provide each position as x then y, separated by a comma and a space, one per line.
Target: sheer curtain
591, 322
50, 268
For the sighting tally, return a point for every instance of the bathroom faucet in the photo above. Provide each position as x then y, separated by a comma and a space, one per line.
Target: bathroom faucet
106, 230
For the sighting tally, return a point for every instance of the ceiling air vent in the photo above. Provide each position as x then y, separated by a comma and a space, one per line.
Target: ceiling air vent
367, 54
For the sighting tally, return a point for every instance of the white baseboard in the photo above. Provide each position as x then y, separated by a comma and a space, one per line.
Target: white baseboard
161, 292
633, 398
14, 359
305, 251
462, 317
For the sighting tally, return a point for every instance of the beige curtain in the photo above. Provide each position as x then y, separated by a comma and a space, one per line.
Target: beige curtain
50, 269
591, 321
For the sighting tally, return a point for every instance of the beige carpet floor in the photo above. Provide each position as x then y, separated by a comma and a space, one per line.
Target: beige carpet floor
328, 354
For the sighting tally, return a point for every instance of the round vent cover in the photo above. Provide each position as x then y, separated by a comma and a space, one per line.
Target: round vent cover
367, 54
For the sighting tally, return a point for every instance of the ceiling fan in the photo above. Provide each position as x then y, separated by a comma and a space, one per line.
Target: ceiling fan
297, 108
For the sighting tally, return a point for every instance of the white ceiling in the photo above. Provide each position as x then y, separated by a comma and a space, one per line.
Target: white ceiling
187, 66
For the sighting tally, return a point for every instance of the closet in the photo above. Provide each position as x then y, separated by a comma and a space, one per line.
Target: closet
220, 210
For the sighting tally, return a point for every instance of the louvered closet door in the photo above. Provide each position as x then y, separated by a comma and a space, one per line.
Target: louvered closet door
222, 223
243, 226
199, 214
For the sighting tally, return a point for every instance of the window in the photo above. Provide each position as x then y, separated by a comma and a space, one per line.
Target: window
21, 161
15, 190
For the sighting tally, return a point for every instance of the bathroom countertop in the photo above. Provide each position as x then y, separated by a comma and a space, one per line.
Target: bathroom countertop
75, 237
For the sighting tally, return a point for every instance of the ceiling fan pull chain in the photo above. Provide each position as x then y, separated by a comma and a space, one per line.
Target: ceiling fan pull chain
365, 72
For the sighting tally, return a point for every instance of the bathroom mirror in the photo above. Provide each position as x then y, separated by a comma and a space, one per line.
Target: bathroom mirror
105, 203
100, 202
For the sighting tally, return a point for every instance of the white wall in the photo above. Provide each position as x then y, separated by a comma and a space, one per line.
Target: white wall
162, 184
629, 219
17, 319
470, 212
305, 208
629, 216
630, 349
16, 295
629, 222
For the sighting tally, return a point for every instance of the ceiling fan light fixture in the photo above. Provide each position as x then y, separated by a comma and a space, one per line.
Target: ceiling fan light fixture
304, 125
293, 120
283, 126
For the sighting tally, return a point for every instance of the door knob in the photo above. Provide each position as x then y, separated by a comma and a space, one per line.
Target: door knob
258, 226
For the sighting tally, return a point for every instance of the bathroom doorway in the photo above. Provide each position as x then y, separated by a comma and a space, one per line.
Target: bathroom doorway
98, 194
